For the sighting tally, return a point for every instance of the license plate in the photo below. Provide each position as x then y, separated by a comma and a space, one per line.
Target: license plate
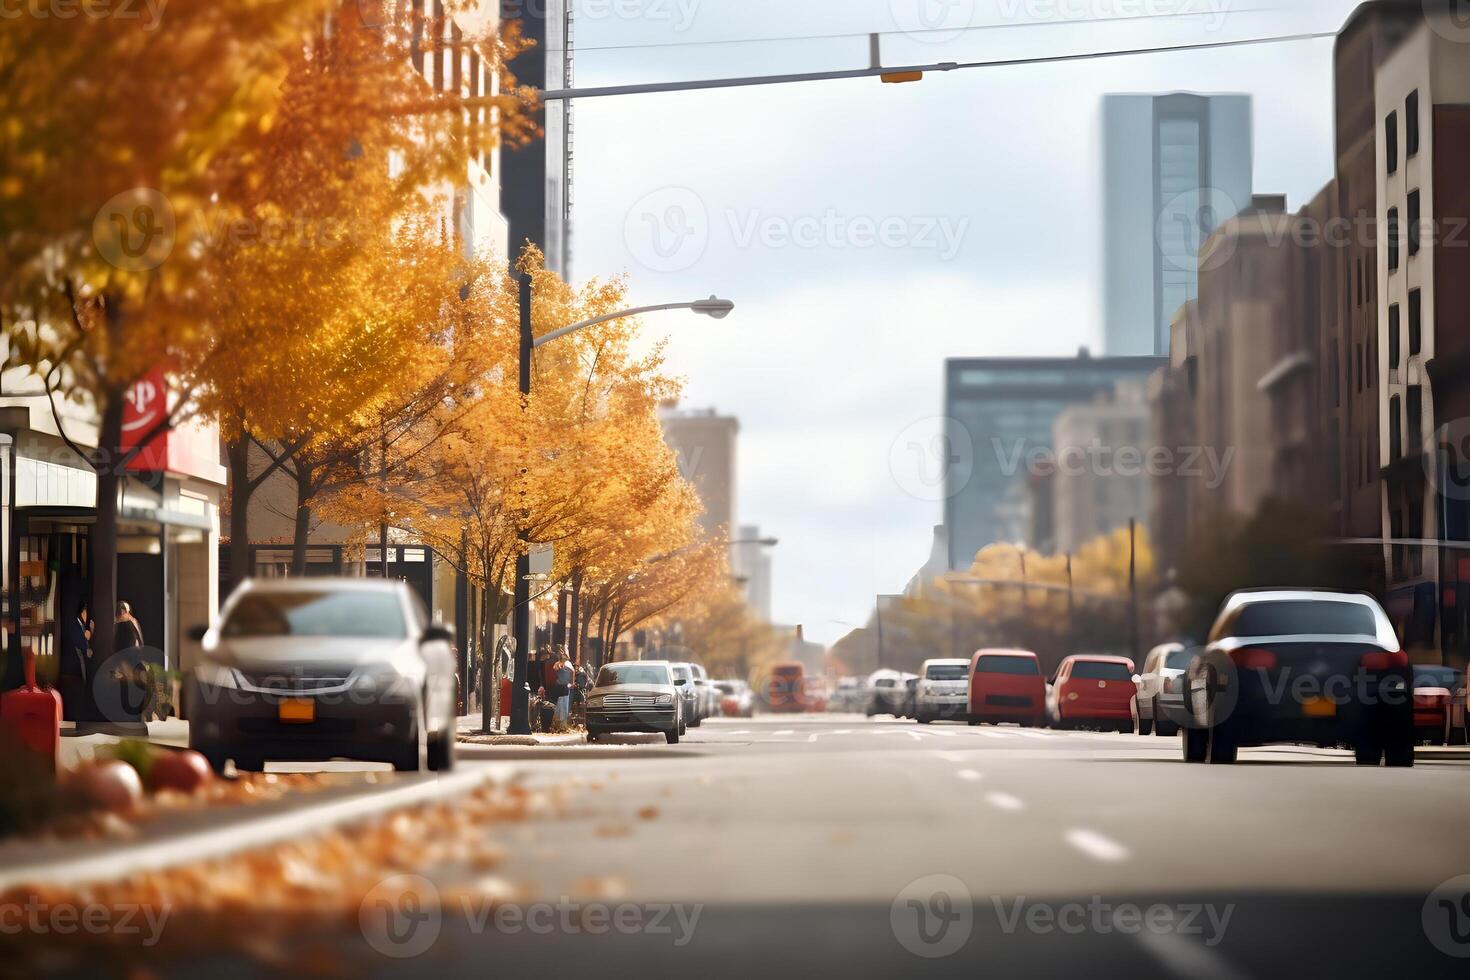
1319, 708
297, 710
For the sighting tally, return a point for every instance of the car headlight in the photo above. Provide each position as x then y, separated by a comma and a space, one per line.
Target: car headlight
217, 675
595, 701
387, 683
665, 701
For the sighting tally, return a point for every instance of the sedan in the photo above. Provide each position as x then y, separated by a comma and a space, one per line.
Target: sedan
1160, 695
315, 669
635, 696
1300, 666
689, 705
943, 691
1006, 685
736, 700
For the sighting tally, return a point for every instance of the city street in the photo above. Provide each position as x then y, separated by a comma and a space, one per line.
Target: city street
796, 843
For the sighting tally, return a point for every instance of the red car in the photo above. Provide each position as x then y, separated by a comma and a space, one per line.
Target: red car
1092, 691
1006, 685
1439, 704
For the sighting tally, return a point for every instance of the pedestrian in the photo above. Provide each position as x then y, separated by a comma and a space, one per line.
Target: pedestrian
127, 631
561, 688
76, 665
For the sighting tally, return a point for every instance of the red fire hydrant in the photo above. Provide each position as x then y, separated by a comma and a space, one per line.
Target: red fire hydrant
30, 717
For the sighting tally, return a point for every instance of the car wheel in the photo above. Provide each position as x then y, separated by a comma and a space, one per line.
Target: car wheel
1145, 726
247, 763
695, 722
1195, 742
1162, 726
1221, 748
1399, 756
1367, 753
441, 752
1458, 736
683, 726
672, 736
406, 758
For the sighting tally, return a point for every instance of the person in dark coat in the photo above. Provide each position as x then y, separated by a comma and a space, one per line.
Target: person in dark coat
75, 669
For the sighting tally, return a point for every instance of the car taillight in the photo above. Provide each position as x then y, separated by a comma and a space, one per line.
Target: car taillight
1431, 695
1385, 660
1252, 658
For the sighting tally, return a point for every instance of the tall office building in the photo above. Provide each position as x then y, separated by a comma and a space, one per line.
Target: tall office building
705, 443
536, 179
752, 563
1000, 412
1174, 168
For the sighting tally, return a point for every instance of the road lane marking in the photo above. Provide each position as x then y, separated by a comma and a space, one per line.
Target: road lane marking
951, 756
1004, 801
784, 731
990, 734
1095, 845
1028, 733
969, 775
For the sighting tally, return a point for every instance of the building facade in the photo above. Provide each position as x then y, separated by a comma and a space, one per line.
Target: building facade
1422, 95
705, 443
1101, 480
1174, 167
752, 562
999, 414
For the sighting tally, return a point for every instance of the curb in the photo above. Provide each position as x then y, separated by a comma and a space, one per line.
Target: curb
127, 860
571, 738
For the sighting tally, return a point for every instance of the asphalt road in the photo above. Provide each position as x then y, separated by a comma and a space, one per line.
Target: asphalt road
837, 844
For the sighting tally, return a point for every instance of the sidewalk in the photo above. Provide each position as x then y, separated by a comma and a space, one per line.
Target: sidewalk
470, 734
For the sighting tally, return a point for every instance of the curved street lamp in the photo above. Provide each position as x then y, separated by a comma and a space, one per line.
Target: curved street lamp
520, 723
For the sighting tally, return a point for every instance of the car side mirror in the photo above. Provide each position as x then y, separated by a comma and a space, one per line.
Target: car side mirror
436, 633
198, 632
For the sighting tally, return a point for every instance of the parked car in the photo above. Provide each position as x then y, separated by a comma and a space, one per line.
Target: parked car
314, 669
1006, 685
888, 693
943, 691
709, 702
1092, 690
1159, 699
636, 696
736, 699
1439, 704
688, 695
1301, 665
814, 690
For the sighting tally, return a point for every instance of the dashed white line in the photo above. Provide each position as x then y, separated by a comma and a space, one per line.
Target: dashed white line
989, 734
1095, 845
784, 731
1004, 801
969, 775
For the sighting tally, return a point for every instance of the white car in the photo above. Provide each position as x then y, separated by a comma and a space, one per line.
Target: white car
1159, 703
943, 691
635, 696
314, 669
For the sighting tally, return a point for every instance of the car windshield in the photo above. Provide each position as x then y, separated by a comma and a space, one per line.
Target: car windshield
725, 687
1100, 670
1289, 617
1179, 659
998, 664
317, 612
947, 672
680, 673
1429, 675
633, 673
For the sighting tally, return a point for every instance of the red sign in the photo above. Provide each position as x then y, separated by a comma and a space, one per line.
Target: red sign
188, 449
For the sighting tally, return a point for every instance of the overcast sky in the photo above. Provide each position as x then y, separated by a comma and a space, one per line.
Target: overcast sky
868, 231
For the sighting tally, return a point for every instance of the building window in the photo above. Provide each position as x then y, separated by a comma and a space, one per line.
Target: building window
1414, 406
1393, 238
1415, 335
1393, 336
1414, 222
1395, 430
1391, 142
1411, 124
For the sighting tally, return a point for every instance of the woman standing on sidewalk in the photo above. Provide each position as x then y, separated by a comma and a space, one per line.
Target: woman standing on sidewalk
561, 688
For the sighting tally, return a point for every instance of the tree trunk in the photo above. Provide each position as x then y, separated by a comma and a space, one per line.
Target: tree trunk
303, 519
383, 547
104, 535
240, 493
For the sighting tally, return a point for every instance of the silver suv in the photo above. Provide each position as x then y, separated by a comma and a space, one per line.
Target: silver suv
635, 696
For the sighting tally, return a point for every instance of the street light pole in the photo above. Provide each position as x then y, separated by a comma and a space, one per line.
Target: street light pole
520, 722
